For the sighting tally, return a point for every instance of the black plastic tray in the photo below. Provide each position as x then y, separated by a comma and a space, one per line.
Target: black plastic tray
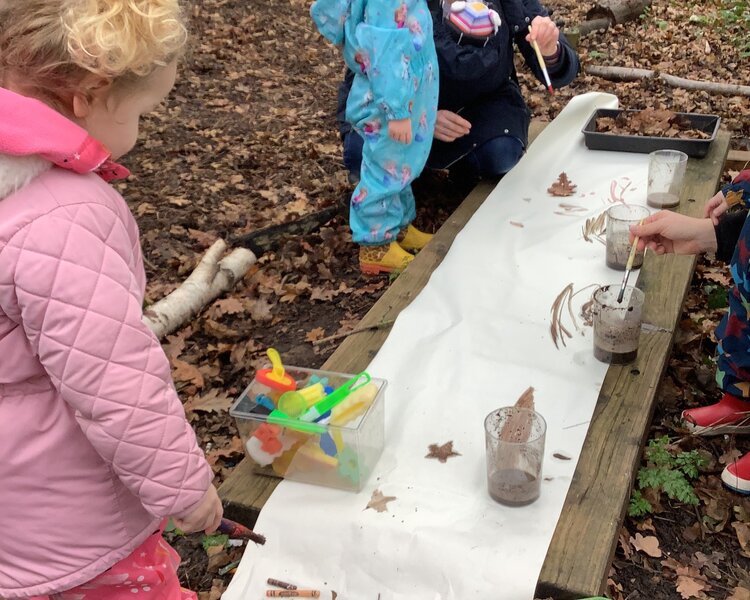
596, 140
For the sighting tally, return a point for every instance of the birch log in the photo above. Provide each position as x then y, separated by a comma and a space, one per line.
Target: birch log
211, 277
607, 13
617, 11
633, 74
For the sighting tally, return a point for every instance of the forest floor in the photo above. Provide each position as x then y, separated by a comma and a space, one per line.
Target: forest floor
248, 139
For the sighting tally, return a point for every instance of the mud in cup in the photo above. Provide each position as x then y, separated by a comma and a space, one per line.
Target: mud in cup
514, 439
617, 325
666, 170
619, 219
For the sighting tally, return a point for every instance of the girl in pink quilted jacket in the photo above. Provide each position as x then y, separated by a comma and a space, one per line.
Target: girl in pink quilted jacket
95, 450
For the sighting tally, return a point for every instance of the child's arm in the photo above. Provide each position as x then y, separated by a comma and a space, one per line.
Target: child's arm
389, 53
329, 17
740, 194
68, 279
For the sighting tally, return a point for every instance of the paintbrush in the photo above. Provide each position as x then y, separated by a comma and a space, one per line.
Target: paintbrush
628, 267
543, 66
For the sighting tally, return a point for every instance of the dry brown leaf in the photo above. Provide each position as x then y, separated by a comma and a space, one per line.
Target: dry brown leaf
183, 371
733, 198
219, 330
562, 187
657, 122
517, 428
217, 558
315, 334
379, 502
145, 208
649, 545
742, 509
740, 593
671, 563
729, 456
175, 344
692, 533
228, 306
646, 525
442, 453
205, 240
213, 401
709, 565
743, 535
690, 583
235, 447
260, 309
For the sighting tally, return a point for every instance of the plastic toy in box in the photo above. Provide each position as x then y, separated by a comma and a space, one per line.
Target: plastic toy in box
313, 426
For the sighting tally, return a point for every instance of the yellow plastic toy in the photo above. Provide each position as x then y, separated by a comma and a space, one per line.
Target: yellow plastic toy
275, 377
355, 405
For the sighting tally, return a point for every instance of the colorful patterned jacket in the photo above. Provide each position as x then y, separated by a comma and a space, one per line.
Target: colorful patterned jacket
733, 333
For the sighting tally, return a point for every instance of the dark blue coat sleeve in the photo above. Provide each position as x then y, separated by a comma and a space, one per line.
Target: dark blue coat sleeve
567, 67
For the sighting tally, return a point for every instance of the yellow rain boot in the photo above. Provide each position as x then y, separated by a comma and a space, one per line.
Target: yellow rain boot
413, 239
383, 259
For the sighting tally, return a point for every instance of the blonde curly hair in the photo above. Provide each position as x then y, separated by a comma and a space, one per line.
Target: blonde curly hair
50, 46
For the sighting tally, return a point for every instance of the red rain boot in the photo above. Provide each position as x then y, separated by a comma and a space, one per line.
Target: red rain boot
736, 476
728, 415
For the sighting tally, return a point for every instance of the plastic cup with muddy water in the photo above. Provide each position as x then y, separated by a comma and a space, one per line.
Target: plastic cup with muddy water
515, 450
619, 219
666, 170
617, 325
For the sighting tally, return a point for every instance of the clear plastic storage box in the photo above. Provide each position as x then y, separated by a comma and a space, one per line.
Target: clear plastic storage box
284, 435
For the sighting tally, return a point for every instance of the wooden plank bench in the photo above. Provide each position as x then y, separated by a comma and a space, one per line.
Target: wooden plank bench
584, 541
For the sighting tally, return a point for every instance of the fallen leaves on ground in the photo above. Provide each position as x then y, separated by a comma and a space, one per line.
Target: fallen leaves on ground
690, 584
648, 545
214, 400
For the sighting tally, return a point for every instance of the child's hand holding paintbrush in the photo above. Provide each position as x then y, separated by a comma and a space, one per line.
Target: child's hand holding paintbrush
544, 38
668, 232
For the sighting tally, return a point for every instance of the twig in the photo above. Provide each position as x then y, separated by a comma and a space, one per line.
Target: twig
700, 522
338, 336
633, 74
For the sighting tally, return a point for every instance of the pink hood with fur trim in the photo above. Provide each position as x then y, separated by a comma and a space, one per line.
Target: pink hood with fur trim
94, 442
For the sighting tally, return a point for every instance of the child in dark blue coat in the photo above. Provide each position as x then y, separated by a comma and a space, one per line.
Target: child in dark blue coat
482, 122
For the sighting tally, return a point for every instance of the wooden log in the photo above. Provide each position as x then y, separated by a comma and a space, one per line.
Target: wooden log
590, 26
607, 13
738, 160
267, 239
213, 276
634, 74
617, 11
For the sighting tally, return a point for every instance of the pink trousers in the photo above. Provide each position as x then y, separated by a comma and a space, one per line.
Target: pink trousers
149, 572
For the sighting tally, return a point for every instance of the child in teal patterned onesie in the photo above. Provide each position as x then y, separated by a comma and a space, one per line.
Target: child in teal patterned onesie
393, 104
